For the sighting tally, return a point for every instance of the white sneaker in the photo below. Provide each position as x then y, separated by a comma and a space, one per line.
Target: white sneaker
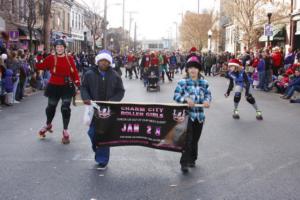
16, 102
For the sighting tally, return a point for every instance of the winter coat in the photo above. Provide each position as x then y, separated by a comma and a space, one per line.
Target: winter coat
261, 65
295, 81
98, 87
14, 65
8, 79
277, 59
289, 59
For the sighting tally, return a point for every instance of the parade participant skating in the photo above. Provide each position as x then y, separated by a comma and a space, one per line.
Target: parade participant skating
101, 83
239, 80
192, 90
61, 86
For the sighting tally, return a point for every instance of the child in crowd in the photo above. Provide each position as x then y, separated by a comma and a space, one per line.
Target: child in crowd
282, 83
294, 85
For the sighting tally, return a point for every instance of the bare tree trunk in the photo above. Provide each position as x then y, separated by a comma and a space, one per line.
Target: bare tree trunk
31, 19
46, 25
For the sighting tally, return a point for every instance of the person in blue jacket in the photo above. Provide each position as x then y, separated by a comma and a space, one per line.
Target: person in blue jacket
240, 79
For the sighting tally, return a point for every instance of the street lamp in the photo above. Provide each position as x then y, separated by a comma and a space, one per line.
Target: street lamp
269, 15
209, 33
112, 43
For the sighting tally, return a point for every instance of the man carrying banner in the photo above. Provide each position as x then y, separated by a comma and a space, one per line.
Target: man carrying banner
101, 83
193, 89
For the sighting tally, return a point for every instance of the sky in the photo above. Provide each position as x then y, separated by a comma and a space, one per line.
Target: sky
155, 19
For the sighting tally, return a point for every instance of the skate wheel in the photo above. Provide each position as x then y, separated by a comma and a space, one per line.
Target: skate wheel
259, 118
65, 141
42, 136
236, 117
50, 131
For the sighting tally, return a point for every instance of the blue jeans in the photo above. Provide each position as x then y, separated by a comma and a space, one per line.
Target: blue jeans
16, 83
292, 89
261, 76
267, 80
101, 153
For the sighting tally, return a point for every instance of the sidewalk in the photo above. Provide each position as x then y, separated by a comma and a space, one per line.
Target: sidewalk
29, 91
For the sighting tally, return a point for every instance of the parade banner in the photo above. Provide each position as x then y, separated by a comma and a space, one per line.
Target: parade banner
159, 126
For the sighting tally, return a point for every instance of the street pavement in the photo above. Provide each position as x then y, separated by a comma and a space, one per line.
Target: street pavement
241, 159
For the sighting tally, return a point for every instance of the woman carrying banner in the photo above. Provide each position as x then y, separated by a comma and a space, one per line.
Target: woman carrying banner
101, 83
193, 89
61, 86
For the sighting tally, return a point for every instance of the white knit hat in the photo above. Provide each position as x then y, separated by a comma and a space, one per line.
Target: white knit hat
3, 56
103, 56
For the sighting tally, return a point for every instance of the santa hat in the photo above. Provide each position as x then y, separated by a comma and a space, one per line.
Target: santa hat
103, 55
193, 49
234, 62
193, 62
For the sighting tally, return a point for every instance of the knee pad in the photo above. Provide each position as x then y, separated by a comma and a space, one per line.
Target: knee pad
237, 97
250, 99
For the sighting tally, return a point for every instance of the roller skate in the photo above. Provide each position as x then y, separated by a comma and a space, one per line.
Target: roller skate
66, 137
259, 115
44, 130
236, 114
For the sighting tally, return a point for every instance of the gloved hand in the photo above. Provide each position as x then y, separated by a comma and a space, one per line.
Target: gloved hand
87, 102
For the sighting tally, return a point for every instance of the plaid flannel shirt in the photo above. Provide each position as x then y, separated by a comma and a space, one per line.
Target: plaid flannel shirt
198, 91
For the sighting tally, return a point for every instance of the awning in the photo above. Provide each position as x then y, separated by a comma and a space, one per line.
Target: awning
278, 34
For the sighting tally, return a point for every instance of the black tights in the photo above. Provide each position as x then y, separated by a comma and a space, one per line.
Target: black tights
65, 109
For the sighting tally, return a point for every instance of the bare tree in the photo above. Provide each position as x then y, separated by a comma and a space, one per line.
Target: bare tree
194, 27
46, 23
251, 15
94, 23
30, 18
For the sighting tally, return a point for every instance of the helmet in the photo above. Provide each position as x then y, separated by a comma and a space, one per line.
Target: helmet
60, 42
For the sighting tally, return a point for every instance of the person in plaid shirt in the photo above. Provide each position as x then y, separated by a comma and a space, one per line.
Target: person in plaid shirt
193, 90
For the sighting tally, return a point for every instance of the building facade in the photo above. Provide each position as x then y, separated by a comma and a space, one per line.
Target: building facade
78, 28
295, 24
157, 45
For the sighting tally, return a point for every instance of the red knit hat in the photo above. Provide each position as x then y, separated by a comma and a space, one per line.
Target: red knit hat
193, 49
234, 62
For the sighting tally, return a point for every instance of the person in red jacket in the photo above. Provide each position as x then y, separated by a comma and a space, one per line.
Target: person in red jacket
277, 61
64, 77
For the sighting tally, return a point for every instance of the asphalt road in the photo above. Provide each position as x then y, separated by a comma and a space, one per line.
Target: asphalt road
238, 160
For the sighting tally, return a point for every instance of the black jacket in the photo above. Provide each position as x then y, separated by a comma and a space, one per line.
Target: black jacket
92, 87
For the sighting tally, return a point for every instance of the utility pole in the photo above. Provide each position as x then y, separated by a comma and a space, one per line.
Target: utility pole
105, 22
123, 24
198, 6
134, 43
130, 21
